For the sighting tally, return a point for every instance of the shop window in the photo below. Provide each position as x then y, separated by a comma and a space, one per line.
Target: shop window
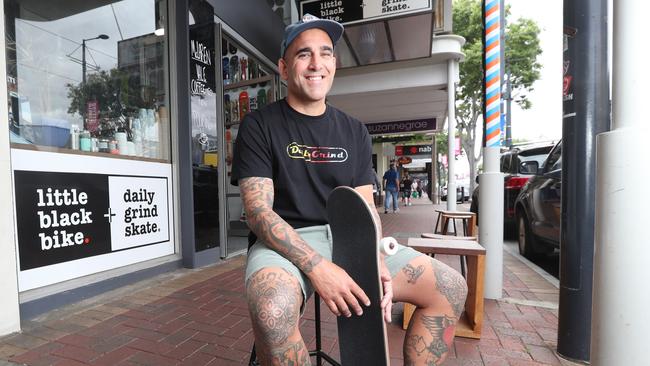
89, 77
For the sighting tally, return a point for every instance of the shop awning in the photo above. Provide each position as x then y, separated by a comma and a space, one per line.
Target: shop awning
398, 91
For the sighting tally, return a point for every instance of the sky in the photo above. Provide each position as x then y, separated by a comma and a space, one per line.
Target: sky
544, 120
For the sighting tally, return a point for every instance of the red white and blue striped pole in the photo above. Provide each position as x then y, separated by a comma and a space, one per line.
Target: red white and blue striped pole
492, 54
491, 197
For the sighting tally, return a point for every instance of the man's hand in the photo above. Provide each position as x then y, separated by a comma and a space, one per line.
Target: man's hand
339, 291
387, 300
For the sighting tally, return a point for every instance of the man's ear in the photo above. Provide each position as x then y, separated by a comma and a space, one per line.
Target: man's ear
282, 66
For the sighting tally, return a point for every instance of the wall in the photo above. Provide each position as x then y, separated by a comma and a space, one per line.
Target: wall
10, 319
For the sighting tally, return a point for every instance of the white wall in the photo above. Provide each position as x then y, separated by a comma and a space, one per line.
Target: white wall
10, 319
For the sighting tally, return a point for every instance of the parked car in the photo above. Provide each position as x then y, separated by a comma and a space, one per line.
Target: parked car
538, 208
462, 192
514, 166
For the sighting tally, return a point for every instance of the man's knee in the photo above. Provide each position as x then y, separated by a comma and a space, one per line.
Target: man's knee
274, 300
451, 284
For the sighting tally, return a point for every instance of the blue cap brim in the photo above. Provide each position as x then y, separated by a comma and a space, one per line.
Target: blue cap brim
332, 28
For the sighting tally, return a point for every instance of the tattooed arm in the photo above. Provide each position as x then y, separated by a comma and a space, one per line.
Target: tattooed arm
332, 283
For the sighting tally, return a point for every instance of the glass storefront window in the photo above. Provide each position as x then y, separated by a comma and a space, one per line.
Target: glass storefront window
89, 77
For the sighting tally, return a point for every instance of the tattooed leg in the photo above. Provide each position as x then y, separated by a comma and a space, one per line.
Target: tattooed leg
274, 300
439, 293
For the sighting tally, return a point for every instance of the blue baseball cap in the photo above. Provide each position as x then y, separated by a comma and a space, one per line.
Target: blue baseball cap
332, 28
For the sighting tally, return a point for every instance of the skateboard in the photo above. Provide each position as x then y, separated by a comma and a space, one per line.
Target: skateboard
244, 105
356, 249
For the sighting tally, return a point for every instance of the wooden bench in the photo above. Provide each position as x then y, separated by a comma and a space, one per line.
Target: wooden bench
471, 321
446, 237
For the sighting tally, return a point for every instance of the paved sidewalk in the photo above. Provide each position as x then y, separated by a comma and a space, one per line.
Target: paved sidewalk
199, 317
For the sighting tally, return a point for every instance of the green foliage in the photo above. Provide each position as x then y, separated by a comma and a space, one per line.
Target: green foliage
117, 95
521, 50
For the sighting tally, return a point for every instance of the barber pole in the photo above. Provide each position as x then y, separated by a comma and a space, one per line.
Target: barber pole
491, 228
492, 54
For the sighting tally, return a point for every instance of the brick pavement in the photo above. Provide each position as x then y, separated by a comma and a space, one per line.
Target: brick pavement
199, 317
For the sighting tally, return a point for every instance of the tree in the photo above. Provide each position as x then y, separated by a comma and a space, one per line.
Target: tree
521, 51
117, 94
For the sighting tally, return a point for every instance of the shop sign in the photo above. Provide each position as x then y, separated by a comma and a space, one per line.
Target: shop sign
403, 160
203, 98
357, 11
386, 128
401, 150
71, 224
63, 217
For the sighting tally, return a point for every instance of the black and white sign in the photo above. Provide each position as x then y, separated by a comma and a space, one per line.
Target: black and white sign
356, 11
77, 215
63, 217
386, 128
203, 97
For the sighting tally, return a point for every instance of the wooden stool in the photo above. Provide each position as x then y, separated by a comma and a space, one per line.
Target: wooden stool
468, 220
469, 227
470, 322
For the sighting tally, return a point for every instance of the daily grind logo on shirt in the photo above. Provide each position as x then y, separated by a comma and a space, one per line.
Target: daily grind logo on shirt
317, 154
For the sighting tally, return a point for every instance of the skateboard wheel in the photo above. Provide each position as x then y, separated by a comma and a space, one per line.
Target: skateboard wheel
388, 245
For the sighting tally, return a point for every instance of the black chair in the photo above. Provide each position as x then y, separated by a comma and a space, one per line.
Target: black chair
318, 352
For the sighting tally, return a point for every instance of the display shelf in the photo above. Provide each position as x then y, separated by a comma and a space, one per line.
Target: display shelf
245, 83
63, 150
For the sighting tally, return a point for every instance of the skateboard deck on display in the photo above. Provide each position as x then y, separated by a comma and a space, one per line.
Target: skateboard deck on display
356, 249
244, 106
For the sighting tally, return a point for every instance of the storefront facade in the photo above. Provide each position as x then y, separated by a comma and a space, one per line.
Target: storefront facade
121, 120
115, 161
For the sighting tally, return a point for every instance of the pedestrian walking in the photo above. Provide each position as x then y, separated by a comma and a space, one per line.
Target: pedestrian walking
391, 186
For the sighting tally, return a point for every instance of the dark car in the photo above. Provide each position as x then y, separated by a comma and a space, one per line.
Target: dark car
514, 166
538, 207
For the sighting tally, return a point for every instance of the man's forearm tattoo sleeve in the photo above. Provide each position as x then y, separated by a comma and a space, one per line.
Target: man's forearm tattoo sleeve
257, 195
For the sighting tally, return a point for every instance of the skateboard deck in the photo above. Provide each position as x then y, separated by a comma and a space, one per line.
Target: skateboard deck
356, 248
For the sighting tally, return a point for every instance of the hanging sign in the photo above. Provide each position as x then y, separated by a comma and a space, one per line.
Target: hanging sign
357, 11
403, 160
401, 150
387, 128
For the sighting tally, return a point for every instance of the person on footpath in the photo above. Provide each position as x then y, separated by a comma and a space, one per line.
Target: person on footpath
391, 186
285, 177
405, 188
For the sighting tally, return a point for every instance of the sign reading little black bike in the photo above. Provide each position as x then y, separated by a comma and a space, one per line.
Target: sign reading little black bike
356, 11
63, 217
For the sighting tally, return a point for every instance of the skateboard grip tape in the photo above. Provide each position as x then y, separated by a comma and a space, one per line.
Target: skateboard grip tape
388, 245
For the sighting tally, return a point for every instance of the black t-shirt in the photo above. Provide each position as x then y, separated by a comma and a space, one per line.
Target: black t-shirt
406, 184
305, 156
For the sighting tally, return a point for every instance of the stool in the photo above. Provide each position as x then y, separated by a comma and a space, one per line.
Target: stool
468, 219
318, 352
470, 322
469, 227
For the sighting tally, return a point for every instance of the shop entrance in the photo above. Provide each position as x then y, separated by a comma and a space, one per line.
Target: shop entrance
247, 84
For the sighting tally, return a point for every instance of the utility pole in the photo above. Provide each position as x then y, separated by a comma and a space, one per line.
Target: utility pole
585, 113
508, 109
620, 322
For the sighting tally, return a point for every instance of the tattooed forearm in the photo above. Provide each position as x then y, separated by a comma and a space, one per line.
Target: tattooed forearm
451, 285
257, 196
441, 329
412, 274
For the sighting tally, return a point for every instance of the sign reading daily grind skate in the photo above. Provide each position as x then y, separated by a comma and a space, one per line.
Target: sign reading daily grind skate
62, 217
356, 11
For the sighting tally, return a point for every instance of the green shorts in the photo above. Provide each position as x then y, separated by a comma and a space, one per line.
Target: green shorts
320, 239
